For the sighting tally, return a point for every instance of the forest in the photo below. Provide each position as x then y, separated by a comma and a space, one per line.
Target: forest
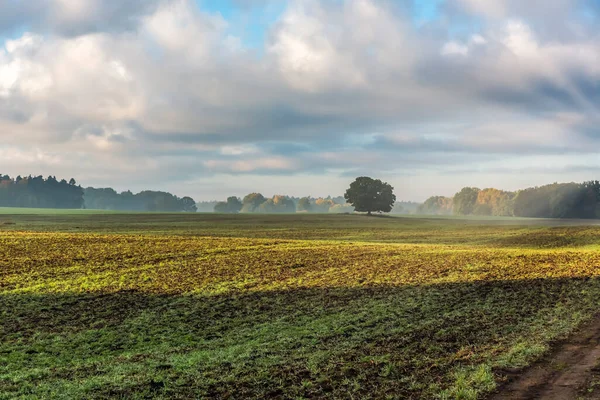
147, 200
557, 200
39, 192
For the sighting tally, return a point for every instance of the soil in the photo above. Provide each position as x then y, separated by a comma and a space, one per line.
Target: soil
569, 372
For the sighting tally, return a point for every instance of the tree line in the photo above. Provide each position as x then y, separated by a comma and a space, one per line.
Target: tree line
557, 200
147, 200
257, 203
37, 192
40, 192
365, 194
307, 204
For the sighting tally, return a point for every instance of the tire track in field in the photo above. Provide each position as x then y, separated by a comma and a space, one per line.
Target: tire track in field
563, 374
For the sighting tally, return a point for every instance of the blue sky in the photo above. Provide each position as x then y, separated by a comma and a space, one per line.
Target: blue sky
426, 10
13, 33
250, 22
211, 98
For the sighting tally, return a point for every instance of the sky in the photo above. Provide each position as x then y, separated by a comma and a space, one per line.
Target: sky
211, 98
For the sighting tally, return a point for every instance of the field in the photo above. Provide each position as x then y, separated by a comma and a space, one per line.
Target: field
98, 305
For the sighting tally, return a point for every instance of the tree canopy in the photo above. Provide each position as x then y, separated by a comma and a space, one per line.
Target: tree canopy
188, 204
304, 204
233, 205
465, 201
436, 205
370, 195
278, 204
252, 201
147, 200
558, 200
37, 192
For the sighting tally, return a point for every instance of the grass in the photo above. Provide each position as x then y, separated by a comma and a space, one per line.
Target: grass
98, 305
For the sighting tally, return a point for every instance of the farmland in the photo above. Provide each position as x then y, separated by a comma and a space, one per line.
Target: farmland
97, 305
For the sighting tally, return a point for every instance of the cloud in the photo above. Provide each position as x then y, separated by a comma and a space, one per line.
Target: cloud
163, 94
488, 8
74, 17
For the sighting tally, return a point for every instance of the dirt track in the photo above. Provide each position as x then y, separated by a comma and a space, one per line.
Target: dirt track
564, 374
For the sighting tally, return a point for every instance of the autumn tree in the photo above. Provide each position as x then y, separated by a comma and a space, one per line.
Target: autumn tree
464, 202
304, 205
276, 205
436, 205
251, 202
323, 205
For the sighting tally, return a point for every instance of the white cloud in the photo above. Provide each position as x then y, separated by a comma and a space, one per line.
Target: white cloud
272, 164
179, 29
177, 95
238, 150
319, 47
308, 54
489, 8
17, 70
451, 48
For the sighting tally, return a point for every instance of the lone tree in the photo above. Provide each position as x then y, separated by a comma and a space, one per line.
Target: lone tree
368, 195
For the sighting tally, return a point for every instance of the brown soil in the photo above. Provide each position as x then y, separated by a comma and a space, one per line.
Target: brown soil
567, 373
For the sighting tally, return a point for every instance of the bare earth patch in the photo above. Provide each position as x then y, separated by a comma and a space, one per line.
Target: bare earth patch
567, 373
